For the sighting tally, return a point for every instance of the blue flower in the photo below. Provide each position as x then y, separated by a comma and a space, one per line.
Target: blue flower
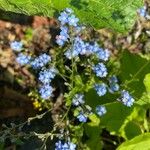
16, 46
113, 84
58, 145
103, 54
23, 59
46, 91
63, 18
100, 70
64, 30
142, 11
126, 98
78, 99
101, 110
69, 10
113, 79
59, 40
82, 117
78, 30
72, 146
101, 89
66, 17
72, 20
40, 61
90, 48
113, 87
65, 146
75, 50
69, 146
45, 76
63, 37
80, 46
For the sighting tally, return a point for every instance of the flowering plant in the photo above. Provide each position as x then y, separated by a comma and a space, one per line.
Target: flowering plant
80, 65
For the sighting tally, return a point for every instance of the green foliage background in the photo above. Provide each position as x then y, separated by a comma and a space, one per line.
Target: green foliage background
118, 15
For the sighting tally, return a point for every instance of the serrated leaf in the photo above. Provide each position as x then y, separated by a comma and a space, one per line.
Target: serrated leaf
118, 15
141, 142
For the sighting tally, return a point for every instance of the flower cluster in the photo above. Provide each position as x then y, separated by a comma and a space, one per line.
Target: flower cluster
76, 48
78, 100
16, 46
100, 70
45, 75
80, 47
126, 98
66, 18
63, 37
46, 91
82, 117
113, 84
64, 145
23, 59
103, 54
40, 61
101, 89
101, 110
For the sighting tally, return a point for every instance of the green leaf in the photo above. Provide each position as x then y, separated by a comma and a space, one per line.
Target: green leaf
92, 130
92, 98
120, 118
118, 15
147, 82
28, 7
132, 129
133, 70
145, 99
141, 142
115, 117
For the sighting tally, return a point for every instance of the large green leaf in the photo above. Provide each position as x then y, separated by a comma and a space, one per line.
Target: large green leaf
141, 142
145, 99
121, 120
115, 117
118, 15
92, 98
132, 129
132, 73
92, 130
